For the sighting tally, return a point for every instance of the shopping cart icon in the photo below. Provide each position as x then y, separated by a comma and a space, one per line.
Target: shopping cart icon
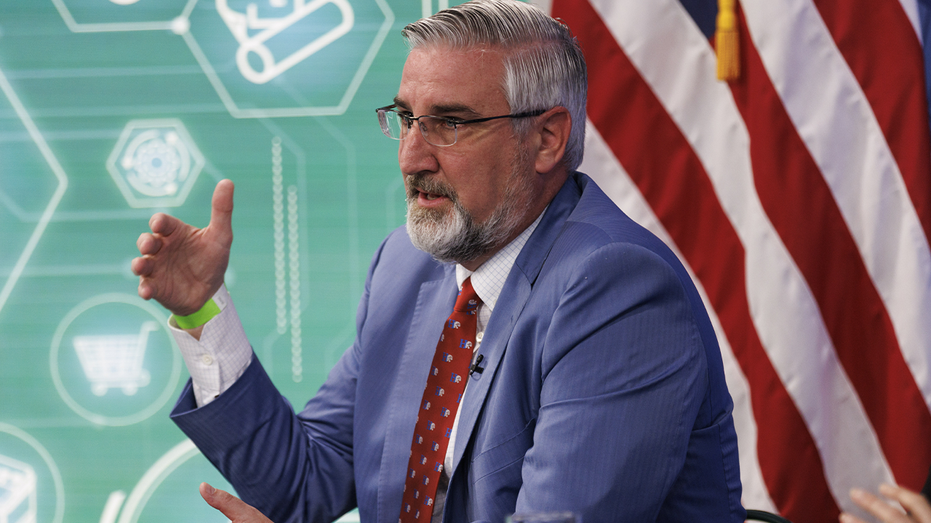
17, 492
115, 360
253, 32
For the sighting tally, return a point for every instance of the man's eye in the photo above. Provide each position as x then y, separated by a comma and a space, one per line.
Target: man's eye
450, 123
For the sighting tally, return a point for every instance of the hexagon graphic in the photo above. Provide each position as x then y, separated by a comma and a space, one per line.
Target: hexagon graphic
270, 58
155, 163
32, 184
88, 16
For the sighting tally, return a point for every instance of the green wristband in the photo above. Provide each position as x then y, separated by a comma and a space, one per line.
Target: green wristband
205, 314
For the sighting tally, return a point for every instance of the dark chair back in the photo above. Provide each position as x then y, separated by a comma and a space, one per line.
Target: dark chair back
762, 515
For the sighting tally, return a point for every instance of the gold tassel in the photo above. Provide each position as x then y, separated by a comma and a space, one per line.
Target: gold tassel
726, 42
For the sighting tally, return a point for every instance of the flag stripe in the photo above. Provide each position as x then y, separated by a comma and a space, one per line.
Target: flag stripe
913, 13
828, 107
795, 338
819, 238
715, 253
895, 88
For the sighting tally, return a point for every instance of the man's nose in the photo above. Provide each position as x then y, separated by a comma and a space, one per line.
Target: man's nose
415, 155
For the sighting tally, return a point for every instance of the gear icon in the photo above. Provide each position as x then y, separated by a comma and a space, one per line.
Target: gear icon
155, 163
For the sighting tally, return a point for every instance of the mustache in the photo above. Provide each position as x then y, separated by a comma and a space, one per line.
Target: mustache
418, 183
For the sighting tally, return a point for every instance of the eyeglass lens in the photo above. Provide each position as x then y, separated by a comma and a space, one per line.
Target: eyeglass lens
392, 125
435, 130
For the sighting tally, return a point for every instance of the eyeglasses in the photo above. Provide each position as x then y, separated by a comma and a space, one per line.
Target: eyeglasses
437, 130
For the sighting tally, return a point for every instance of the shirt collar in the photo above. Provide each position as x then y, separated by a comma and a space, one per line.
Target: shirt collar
489, 278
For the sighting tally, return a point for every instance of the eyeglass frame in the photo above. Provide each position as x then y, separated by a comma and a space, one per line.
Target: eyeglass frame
456, 122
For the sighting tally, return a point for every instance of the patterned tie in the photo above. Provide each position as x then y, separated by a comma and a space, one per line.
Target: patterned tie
445, 385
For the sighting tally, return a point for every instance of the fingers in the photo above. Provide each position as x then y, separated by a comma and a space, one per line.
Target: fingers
146, 289
163, 224
181, 266
141, 266
877, 507
913, 502
237, 510
148, 243
221, 211
849, 518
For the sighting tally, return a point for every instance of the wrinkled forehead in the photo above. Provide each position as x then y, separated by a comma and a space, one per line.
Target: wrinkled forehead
440, 76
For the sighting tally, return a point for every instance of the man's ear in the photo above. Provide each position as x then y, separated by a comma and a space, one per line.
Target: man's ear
553, 127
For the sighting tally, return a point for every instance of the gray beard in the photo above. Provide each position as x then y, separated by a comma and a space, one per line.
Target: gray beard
453, 235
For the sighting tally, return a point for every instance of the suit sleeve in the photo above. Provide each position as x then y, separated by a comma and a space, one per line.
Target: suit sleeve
623, 374
292, 467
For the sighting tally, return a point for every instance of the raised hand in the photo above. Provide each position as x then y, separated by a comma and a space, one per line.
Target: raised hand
917, 507
237, 510
182, 266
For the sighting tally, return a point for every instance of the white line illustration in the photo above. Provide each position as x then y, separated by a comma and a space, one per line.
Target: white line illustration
139, 412
278, 221
17, 491
115, 360
294, 273
112, 508
426, 6
155, 163
278, 112
240, 24
56, 196
294, 265
178, 25
19, 434
153, 478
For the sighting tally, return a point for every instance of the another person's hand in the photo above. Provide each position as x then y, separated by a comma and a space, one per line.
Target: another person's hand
919, 510
237, 510
182, 266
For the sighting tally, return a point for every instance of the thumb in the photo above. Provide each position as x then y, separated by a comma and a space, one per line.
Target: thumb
221, 210
237, 510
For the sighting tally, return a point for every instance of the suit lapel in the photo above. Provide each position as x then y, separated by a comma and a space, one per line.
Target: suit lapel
507, 310
511, 302
435, 301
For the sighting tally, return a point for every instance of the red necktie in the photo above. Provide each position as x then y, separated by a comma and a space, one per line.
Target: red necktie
445, 385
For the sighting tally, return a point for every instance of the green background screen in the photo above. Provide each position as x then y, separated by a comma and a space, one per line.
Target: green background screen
112, 110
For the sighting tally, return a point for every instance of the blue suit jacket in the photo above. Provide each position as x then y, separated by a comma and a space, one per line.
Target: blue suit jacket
603, 390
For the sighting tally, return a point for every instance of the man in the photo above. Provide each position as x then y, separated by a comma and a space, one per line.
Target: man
596, 383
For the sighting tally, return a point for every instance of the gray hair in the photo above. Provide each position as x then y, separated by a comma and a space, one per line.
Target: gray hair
544, 66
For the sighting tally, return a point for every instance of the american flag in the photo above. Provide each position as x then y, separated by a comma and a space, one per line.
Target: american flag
799, 197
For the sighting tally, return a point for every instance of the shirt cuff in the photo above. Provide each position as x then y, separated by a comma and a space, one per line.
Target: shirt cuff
220, 356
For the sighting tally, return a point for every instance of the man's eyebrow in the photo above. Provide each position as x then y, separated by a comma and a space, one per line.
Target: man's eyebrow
400, 103
459, 109
441, 109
